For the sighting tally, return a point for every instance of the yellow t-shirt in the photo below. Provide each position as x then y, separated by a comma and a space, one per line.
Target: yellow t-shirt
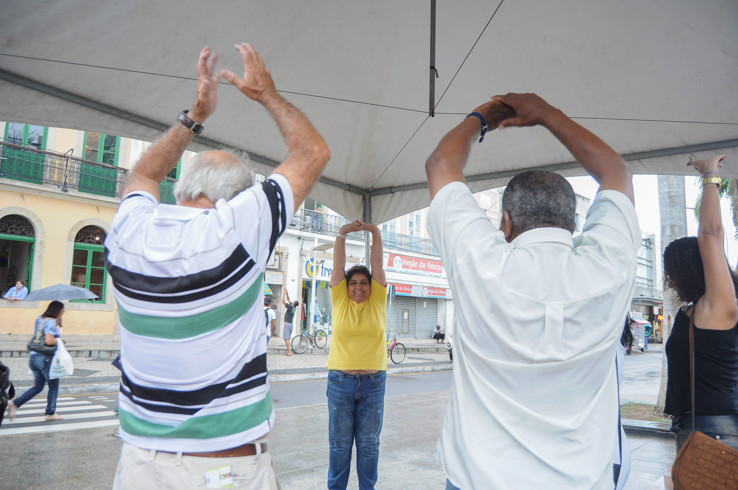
358, 340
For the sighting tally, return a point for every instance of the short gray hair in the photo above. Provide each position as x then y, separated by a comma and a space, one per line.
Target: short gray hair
540, 199
213, 174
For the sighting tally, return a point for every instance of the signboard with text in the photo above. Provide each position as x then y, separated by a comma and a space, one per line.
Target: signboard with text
416, 265
420, 291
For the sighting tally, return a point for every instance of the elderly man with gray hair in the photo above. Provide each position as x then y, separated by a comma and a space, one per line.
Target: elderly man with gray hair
538, 311
195, 406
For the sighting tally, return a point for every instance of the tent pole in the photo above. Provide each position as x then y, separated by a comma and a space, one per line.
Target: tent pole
433, 72
367, 219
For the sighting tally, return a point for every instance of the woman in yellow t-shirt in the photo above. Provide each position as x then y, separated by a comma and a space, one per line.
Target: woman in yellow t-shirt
357, 361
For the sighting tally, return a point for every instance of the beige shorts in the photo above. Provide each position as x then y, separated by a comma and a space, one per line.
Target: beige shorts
144, 469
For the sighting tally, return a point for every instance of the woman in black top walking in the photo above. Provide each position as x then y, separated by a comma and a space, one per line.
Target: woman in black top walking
698, 271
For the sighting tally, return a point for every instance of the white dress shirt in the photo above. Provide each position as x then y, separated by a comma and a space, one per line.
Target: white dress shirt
534, 401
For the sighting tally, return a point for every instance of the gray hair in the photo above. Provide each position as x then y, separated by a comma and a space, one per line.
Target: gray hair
540, 199
213, 174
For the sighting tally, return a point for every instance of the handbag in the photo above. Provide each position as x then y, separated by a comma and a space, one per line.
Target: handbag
703, 462
37, 343
61, 364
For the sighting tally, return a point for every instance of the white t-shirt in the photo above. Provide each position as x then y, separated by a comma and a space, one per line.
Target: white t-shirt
272, 316
534, 400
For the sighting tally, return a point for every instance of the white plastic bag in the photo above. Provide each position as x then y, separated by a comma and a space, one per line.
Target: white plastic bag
61, 364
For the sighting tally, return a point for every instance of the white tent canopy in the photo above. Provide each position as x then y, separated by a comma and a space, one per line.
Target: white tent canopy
655, 79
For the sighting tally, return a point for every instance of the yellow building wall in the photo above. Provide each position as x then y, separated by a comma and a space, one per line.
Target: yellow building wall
57, 217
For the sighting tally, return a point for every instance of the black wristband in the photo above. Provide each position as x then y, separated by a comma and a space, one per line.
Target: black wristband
484, 124
193, 126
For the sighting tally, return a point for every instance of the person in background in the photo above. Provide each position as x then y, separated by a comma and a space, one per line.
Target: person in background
40, 364
289, 315
439, 335
17, 292
698, 271
270, 318
357, 362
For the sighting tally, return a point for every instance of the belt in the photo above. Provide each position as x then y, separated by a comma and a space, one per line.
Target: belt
234, 452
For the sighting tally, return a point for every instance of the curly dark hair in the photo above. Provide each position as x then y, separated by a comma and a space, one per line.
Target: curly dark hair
359, 269
684, 272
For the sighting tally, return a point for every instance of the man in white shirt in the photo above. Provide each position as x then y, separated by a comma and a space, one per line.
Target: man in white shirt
195, 404
538, 313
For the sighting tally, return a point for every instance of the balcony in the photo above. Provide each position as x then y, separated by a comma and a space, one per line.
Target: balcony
329, 224
67, 172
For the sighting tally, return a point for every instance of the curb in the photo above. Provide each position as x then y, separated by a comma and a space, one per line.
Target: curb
648, 429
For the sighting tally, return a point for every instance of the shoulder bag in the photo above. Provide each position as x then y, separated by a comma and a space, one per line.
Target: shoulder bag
703, 462
37, 343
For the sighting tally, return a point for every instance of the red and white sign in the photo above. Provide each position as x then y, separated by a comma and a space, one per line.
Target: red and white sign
414, 264
419, 291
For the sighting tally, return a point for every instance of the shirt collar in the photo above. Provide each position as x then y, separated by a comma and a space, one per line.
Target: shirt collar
544, 235
176, 212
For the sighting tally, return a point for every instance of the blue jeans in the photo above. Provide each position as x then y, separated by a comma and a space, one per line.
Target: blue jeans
724, 428
40, 365
355, 413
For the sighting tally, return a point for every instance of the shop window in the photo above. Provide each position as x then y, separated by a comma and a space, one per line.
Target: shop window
97, 179
88, 261
17, 243
25, 164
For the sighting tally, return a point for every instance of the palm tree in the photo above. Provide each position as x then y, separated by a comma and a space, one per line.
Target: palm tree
728, 189
673, 211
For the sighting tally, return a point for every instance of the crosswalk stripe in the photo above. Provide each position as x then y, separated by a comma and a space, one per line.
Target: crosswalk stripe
42, 409
57, 427
71, 416
59, 403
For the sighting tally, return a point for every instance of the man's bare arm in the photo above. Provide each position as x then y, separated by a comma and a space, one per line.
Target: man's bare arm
446, 163
605, 165
163, 155
308, 152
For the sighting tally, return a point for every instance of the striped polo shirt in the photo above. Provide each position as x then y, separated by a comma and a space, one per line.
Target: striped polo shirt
189, 286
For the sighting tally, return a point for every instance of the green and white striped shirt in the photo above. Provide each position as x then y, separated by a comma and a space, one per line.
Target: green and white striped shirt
189, 288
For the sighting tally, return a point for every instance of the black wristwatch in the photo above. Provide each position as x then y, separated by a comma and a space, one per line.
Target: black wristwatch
193, 126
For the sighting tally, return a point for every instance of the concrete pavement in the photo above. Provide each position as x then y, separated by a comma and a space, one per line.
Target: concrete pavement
299, 440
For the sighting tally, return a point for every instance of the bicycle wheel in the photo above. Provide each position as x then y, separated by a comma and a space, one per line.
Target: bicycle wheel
299, 344
397, 354
320, 339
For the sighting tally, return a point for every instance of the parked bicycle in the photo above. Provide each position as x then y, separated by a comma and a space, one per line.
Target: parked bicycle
395, 350
301, 342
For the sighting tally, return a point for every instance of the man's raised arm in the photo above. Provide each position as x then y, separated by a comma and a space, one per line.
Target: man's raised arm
446, 163
163, 155
599, 160
308, 151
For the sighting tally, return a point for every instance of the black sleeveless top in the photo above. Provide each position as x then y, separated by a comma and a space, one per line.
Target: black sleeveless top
715, 370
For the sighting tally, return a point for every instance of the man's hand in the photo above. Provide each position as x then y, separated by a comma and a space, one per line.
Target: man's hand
495, 112
257, 80
371, 228
207, 87
529, 109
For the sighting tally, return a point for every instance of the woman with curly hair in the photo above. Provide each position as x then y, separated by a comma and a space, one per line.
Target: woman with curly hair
698, 271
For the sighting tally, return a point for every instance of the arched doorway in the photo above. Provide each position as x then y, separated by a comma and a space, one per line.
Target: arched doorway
17, 242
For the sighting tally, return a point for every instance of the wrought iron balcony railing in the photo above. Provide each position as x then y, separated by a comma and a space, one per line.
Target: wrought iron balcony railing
66, 172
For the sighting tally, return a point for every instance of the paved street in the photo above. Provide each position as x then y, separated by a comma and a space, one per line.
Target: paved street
83, 449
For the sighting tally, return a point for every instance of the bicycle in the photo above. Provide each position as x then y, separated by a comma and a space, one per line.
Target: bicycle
396, 350
300, 342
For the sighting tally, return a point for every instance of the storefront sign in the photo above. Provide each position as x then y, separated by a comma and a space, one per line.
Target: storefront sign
321, 271
420, 291
405, 263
